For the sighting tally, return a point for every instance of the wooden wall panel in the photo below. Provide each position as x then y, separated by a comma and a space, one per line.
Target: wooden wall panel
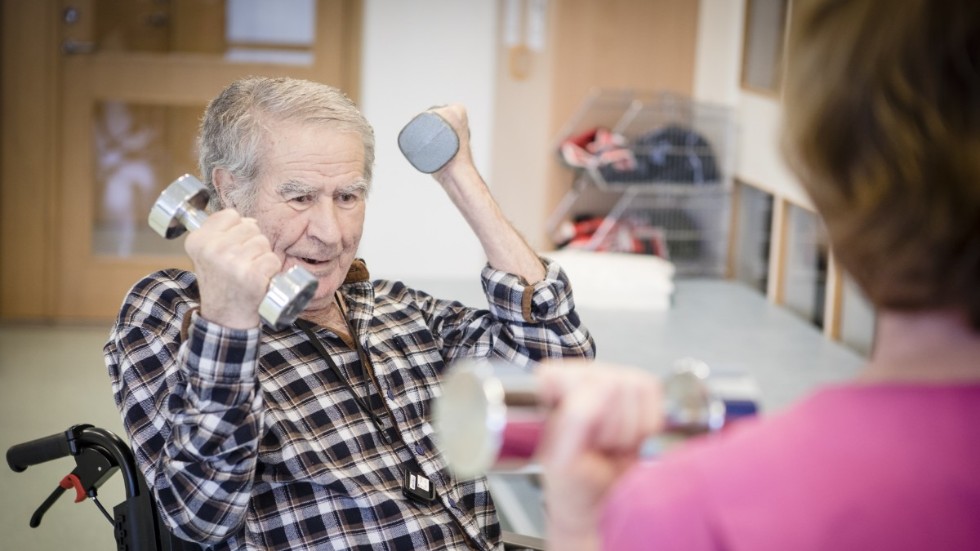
27, 176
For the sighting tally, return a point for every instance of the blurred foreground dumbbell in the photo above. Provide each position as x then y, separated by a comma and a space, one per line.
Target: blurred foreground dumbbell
488, 417
181, 208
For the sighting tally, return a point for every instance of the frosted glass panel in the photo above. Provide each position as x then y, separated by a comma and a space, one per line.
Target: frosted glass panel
763, 51
139, 149
752, 237
257, 31
271, 31
857, 318
806, 265
279, 22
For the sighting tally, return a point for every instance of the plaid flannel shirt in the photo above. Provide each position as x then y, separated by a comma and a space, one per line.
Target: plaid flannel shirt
249, 439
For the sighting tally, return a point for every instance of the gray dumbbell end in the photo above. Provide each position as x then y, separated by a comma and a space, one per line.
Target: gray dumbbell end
428, 142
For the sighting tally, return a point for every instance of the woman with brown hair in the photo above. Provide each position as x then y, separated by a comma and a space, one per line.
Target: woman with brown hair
882, 126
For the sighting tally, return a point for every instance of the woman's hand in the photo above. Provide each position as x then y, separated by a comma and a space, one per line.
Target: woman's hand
601, 415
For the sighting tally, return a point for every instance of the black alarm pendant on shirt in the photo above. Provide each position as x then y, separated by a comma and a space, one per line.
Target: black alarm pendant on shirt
415, 484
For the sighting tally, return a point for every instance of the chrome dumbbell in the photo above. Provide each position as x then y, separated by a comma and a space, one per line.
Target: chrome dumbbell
488, 417
181, 208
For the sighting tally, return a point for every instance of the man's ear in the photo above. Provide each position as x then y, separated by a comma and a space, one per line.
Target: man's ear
223, 183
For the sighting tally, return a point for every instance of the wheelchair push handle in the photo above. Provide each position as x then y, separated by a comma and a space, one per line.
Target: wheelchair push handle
22, 456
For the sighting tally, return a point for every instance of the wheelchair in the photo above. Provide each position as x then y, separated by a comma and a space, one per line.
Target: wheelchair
98, 455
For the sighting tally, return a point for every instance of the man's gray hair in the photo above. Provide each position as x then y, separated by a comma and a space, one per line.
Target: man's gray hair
233, 133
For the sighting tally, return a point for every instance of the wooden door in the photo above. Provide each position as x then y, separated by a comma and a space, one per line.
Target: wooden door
136, 77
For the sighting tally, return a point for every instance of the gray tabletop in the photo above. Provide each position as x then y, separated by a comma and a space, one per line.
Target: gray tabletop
728, 325
732, 328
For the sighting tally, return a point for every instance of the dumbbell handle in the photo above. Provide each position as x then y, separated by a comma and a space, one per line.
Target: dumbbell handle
181, 208
191, 218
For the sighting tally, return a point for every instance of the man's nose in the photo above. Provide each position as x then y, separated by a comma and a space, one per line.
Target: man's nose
323, 223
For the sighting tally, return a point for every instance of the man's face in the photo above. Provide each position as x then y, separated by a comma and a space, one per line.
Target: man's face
310, 201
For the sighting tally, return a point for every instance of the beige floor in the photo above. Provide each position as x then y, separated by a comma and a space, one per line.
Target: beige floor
52, 378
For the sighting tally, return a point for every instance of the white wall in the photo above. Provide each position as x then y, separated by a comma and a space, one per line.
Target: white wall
718, 49
759, 160
415, 55
717, 79
426, 52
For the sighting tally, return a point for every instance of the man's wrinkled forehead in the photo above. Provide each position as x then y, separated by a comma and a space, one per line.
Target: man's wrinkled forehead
335, 129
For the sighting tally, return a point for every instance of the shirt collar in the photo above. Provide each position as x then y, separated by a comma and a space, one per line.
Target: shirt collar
358, 272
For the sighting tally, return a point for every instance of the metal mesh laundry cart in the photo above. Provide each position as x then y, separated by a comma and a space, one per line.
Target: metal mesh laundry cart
651, 174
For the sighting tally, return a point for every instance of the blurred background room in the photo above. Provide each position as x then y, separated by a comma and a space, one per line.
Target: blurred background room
636, 141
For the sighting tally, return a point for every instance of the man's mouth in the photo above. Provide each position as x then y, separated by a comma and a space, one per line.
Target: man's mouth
312, 261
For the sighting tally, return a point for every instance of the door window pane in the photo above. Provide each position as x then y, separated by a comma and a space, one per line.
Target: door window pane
752, 237
262, 31
271, 31
806, 265
857, 318
138, 150
765, 23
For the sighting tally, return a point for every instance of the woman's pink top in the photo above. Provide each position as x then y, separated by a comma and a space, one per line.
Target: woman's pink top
850, 468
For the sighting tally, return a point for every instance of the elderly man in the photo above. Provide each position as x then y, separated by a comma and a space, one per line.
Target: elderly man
308, 437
